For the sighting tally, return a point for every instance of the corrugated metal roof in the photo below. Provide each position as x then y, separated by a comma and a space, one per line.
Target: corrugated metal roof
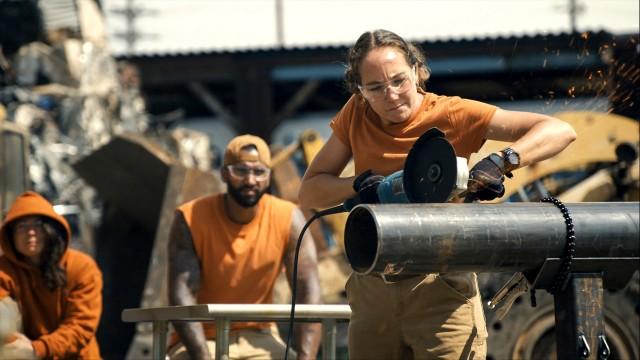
168, 27
60, 14
459, 41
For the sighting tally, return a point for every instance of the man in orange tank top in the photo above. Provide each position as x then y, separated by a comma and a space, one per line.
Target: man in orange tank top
230, 248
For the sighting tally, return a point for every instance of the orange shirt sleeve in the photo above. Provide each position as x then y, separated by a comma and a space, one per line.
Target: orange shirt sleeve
471, 120
341, 123
82, 310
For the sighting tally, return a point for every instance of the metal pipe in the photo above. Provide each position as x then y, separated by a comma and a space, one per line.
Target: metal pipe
159, 339
222, 338
224, 314
427, 238
237, 312
328, 339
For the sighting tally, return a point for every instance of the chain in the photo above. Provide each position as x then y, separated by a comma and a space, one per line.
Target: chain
559, 282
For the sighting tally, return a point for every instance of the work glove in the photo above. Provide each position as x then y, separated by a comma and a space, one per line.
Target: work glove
366, 185
486, 180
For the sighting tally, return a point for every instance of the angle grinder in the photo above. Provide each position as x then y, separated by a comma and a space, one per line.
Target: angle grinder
432, 173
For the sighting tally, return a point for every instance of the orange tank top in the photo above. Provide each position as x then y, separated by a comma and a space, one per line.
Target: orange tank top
239, 263
384, 149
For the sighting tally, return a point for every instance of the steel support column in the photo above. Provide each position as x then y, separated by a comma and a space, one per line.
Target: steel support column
328, 338
254, 99
159, 339
223, 326
580, 320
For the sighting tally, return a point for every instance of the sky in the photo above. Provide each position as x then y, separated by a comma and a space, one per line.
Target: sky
171, 26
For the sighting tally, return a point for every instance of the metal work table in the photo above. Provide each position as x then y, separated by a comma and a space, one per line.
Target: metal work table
224, 314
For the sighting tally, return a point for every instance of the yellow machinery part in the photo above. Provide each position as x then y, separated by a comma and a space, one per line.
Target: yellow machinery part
311, 142
598, 136
286, 182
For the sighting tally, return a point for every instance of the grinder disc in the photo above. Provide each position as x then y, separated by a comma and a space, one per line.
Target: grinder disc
430, 170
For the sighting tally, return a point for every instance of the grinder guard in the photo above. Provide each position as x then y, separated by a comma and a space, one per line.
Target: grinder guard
432, 172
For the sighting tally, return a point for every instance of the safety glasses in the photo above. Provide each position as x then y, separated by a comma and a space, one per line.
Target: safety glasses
241, 172
400, 84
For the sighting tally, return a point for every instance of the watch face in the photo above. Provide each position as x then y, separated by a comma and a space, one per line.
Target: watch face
511, 157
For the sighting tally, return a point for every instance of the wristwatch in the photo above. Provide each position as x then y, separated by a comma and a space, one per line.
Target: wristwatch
511, 159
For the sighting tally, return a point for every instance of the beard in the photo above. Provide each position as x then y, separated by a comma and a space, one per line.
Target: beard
246, 201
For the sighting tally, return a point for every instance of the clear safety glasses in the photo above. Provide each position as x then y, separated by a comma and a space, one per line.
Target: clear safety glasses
241, 172
398, 85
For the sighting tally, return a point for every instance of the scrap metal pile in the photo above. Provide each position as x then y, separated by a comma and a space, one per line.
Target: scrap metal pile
72, 97
113, 170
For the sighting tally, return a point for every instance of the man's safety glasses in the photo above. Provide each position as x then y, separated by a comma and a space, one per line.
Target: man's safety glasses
398, 85
241, 172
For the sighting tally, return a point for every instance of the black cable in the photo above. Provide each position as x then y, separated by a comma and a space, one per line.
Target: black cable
562, 276
560, 280
294, 280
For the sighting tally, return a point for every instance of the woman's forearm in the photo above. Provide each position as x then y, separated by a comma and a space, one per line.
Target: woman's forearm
319, 191
543, 141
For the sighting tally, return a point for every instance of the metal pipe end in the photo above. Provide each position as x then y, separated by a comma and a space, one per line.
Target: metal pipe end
361, 239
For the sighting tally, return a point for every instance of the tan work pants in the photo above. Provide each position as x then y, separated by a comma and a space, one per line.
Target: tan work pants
254, 344
423, 317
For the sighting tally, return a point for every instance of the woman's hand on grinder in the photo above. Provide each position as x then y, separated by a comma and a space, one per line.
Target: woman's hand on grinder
486, 181
366, 185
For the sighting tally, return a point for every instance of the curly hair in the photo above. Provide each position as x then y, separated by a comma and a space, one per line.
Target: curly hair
55, 245
377, 39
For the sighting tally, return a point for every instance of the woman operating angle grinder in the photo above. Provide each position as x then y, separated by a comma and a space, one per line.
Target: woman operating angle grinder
430, 315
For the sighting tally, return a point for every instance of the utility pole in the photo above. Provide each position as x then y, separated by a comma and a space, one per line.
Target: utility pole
131, 13
575, 8
279, 24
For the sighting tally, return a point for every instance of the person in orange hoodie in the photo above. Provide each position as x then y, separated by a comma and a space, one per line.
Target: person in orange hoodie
58, 290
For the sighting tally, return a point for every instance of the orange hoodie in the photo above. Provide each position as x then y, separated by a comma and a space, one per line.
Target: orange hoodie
61, 323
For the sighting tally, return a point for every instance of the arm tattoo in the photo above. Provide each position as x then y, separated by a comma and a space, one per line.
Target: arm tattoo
184, 283
184, 265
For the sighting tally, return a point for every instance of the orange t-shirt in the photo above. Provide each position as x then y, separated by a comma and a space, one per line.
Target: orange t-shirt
239, 262
383, 149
